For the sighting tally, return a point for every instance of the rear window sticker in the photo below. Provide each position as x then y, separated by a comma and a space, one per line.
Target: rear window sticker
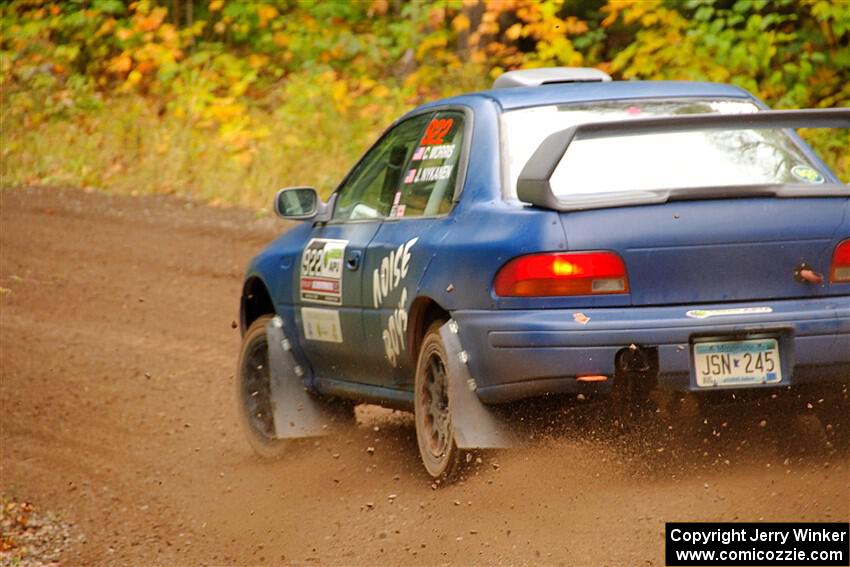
321, 271
807, 173
423, 153
433, 173
436, 131
321, 324
440, 152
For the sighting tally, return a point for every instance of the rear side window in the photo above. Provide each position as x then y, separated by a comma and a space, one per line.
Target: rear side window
371, 190
430, 176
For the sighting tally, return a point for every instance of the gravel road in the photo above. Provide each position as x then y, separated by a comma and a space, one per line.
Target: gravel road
118, 416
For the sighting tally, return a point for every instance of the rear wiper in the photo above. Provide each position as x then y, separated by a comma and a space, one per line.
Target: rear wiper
658, 196
795, 190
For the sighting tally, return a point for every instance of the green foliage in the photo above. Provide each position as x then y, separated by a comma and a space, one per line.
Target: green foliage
229, 99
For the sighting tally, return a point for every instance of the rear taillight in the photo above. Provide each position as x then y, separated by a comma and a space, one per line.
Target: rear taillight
840, 271
570, 273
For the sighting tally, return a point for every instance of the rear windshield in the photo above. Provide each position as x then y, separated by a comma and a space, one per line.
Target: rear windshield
710, 158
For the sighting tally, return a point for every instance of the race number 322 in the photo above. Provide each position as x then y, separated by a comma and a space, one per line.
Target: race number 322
436, 131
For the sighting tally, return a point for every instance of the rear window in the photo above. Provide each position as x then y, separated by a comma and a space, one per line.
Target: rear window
710, 158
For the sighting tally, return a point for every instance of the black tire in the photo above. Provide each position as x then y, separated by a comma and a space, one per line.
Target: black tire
253, 392
434, 434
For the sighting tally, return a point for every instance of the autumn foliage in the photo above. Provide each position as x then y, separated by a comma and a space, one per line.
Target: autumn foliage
228, 99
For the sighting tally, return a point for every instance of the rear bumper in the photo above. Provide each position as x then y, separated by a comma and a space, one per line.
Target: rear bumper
516, 354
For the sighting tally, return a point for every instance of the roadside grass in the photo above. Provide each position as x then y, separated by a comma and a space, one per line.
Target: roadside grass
127, 146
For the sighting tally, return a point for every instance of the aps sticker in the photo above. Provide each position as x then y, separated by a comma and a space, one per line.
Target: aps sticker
321, 271
807, 173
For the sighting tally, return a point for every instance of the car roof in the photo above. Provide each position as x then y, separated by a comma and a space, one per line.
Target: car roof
566, 93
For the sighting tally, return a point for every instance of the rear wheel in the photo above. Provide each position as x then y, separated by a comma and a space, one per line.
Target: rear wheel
434, 434
253, 392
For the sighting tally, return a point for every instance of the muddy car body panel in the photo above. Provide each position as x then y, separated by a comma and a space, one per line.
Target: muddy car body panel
358, 287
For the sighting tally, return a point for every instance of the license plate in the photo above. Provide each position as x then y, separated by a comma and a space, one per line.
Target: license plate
737, 363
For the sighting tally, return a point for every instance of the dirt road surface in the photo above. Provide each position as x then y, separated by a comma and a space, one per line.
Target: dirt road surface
118, 413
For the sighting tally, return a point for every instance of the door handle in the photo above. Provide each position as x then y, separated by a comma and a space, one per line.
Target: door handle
352, 261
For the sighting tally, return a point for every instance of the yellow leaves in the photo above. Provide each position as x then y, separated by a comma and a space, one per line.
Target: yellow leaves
436, 15
238, 88
150, 22
614, 8
489, 24
574, 26
366, 84
632, 11
340, 95
430, 42
106, 27
169, 35
133, 79
124, 34
378, 7
559, 51
266, 13
380, 91
291, 140
257, 60
224, 110
478, 57
514, 32
461, 22
120, 64
146, 67
216, 5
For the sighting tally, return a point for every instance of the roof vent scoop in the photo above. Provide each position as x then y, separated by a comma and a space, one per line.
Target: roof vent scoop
550, 76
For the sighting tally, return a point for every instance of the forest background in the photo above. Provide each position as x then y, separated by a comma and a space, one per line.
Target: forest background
228, 100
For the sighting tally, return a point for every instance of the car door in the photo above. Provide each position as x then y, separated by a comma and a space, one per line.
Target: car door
407, 239
331, 276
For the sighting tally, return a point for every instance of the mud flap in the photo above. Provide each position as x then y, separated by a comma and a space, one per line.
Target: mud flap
475, 425
296, 412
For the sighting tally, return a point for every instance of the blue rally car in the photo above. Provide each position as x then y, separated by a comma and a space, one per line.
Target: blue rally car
561, 233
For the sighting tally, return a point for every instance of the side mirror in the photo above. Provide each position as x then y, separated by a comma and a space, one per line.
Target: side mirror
298, 203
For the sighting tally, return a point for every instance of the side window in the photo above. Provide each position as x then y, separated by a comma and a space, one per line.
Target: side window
371, 188
429, 180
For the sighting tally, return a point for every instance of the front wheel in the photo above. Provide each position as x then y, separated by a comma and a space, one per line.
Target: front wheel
253, 392
434, 434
